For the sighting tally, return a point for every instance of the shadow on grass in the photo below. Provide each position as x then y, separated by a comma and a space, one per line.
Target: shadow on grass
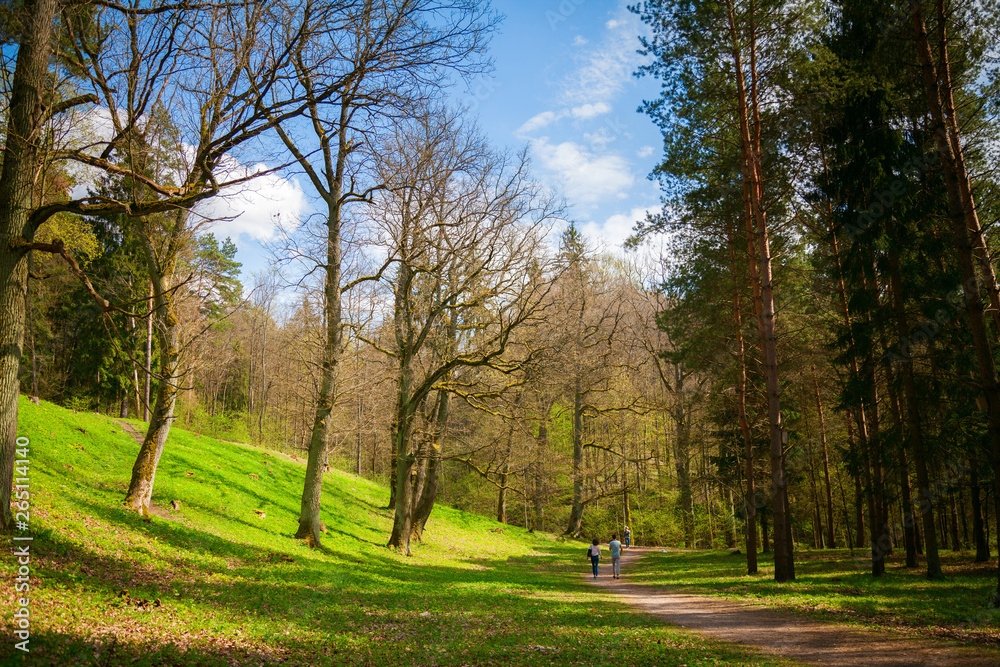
324, 606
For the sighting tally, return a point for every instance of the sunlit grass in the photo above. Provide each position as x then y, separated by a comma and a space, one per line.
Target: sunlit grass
215, 583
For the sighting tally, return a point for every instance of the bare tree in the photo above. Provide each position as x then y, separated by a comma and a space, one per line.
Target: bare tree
132, 63
364, 64
463, 225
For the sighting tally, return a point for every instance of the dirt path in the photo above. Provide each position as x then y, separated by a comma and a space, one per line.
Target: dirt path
813, 642
131, 431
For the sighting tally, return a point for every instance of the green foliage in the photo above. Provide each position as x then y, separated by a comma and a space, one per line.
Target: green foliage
216, 583
214, 275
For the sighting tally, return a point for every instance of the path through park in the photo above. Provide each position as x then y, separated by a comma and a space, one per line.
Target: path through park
810, 641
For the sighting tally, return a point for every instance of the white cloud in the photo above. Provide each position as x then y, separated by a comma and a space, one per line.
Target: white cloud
600, 139
546, 118
606, 67
538, 121
255, 208
583, 177
613, 231
590, 110
580, 40
645, 151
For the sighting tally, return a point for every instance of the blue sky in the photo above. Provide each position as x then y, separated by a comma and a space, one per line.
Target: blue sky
563, 85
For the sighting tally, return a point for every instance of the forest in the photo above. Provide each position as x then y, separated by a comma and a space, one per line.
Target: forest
799, 349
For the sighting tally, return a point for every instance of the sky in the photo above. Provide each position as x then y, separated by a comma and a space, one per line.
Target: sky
563, 85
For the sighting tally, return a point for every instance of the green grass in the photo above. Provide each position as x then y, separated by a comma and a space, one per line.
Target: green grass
212, 583
833, 585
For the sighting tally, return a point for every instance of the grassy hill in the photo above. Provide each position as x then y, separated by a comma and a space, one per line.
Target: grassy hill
220, 581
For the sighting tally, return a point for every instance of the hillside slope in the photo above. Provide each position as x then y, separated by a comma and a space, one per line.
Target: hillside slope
219, 580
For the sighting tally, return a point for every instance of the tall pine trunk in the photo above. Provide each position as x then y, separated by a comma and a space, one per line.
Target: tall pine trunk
682, 458
831, 540
914, 427
761, 278
905, 493
750, 499
965, 255
978, 524
969, 209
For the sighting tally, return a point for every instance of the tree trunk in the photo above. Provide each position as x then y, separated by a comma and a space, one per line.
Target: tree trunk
541, 449
880, 540
402, 524
964, 253
956, 544
358, 439
140, 490
857, 411
969, 209
750, 500
20, 164
428, 495
502, 493
393, 469
817, 510
149, 354
831, 539
859, 512
905, 500
576, 512
31, 335
161, 271
682, 459
914, 427
760, 274
626, 508
263, 376
402, 426
978, 527
730, 519
312, 489
964, 518
765, 547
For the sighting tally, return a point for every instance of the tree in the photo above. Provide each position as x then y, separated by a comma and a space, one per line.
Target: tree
721, 63
589, 312
965, 229
464, 224
139, 62
363, 64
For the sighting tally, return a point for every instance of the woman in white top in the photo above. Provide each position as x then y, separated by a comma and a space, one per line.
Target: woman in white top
594, 551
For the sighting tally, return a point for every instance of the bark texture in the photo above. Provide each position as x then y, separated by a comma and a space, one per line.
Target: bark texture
20, 163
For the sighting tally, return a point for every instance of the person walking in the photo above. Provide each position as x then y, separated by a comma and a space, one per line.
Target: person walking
594, 552
616, 556
628, 537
